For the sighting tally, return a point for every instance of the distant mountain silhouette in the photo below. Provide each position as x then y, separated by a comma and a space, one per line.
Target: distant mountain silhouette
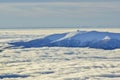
92, 39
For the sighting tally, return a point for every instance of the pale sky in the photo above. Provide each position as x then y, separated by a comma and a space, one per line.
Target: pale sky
59, 13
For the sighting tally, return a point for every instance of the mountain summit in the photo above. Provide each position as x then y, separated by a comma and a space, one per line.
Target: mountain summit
92, 39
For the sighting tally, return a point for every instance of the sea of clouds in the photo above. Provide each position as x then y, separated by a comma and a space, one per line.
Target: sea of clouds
55, 63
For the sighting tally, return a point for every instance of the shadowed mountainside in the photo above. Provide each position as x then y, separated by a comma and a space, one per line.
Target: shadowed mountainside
92, 39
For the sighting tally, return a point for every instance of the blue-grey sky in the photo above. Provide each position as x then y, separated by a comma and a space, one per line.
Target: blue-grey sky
55, 0
59, 13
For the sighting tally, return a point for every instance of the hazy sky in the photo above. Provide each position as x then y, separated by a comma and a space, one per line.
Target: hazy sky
59, 13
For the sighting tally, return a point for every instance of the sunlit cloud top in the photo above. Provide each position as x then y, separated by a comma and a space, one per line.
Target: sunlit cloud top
64, 13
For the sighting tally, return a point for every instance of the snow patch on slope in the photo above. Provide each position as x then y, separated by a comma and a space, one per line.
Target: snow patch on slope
70, 35
106, 38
